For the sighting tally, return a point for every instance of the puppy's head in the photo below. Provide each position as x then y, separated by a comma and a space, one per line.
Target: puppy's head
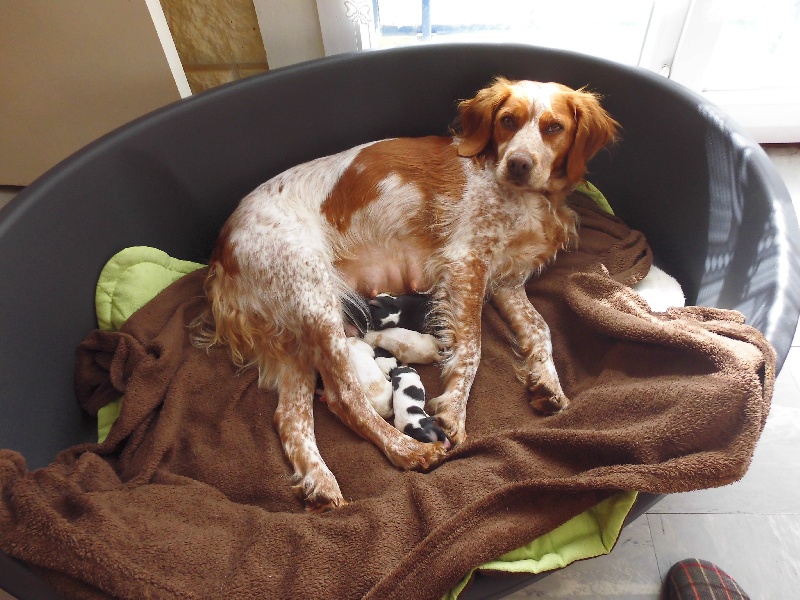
385, 310
539, 135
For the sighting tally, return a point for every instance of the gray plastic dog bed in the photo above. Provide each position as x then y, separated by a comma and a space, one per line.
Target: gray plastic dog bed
716, 215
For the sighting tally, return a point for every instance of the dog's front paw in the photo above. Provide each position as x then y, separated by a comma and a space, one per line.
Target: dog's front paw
319, 489
412, 455
431, 455
547, 396
451, 420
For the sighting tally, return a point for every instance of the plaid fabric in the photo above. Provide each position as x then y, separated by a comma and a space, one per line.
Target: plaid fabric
694, 579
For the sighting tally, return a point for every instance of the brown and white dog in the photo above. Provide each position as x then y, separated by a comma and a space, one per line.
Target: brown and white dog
468, 218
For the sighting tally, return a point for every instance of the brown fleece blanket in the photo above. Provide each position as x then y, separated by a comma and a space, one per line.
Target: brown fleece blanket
189, 496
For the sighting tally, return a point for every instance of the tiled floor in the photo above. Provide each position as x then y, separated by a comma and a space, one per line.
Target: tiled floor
751, 528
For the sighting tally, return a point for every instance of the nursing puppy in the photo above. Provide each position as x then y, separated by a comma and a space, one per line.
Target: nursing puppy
408, 400
468, 218
406, 345
409, 312
371, 377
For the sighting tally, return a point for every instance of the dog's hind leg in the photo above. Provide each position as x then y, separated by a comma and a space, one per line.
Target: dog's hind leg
294, 421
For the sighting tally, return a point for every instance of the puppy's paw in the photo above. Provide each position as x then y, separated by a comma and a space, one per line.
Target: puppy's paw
427, 431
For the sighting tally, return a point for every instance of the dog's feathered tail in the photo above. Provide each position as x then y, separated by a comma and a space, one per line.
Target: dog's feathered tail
252, 337
247, 335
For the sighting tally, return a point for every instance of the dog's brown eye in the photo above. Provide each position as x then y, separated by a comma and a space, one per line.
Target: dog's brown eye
508, 122
555, 128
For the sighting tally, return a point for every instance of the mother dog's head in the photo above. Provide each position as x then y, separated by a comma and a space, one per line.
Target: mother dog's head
540, 135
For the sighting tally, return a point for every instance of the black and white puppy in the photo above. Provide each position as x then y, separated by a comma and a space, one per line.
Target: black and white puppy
408, 311
386, 361
406, 345
408, 399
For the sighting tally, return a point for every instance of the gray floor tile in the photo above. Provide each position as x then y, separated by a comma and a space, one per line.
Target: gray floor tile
629, 572
787, 389
761, 552
792, 364
787, 385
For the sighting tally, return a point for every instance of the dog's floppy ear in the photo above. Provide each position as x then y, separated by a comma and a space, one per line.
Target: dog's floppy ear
476, 117
594, 129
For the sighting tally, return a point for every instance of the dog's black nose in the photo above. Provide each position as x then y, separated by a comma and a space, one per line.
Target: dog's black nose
519, 165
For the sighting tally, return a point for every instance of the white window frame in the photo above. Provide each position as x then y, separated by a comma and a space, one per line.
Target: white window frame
168, 45
680, 38
770, 116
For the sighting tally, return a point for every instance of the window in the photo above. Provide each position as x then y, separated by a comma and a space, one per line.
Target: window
745, 57
614, 29
741, 55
